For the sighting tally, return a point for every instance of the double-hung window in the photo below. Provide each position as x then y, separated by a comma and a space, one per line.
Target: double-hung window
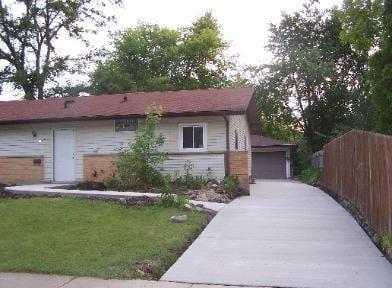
193, 137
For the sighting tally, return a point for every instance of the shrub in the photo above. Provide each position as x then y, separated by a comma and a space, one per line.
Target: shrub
229, 186
188, 181
168, 198
311, 175
139, 165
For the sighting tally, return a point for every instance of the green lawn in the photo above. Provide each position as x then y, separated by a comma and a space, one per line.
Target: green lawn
90, 238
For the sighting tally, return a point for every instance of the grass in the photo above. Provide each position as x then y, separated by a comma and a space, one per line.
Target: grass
90, 238
311, 176
386, 243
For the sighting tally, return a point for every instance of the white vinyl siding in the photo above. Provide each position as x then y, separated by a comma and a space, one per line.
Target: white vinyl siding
216, 162
99, 137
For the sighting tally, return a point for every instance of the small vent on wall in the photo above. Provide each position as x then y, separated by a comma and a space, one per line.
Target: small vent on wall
68, 103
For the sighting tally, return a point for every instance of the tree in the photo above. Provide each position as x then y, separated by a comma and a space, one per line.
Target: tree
381, 75
139, 165
367, 26
313, 81
361, 24
28, 39
159, 58
147, 55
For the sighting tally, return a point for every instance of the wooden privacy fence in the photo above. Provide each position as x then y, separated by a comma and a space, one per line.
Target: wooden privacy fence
358, 167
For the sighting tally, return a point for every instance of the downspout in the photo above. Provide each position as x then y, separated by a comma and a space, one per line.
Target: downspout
227, 146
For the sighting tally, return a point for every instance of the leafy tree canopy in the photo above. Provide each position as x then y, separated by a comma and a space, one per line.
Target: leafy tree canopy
313, 84
381, 75
159, 58
28, 34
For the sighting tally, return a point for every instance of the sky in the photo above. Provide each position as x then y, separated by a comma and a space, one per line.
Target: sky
244, 24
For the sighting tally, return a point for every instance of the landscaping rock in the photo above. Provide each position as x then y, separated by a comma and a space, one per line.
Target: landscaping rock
179, 218
199, 209
188, 206
202, 197
200, 205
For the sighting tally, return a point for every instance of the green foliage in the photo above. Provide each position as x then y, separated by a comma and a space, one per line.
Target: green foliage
386, 242
311, 175
301, 154
367, 26
168, 198
159, 58
28, 33
90, 238
381, 75
189, 181
139, 165
361, 23
229, 185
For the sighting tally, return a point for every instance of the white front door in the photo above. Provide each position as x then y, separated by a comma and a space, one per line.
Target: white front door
64, 155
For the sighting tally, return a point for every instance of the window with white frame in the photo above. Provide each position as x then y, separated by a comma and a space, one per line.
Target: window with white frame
193, 137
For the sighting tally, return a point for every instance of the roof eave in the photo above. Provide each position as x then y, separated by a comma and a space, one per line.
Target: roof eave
98, 117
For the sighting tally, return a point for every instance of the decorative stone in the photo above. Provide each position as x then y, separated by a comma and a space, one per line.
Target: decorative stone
179, 218
188, 206
214, 186
199, 209
200, 205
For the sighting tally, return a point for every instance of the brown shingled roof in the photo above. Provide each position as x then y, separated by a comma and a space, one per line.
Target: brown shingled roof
174, 103
261, 141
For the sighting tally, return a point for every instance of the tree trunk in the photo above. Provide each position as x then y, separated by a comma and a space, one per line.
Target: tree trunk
29, 92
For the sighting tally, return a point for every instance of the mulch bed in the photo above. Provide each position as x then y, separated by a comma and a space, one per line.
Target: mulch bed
207, 194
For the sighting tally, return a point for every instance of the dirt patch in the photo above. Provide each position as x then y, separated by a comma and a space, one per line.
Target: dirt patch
2, 186
207, 194
145, 268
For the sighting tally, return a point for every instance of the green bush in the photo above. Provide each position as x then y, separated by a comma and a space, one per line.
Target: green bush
311, 175
188, 181
168, 198
229, 185
139, 165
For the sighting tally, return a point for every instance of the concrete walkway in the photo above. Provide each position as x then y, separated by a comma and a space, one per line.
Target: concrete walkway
286, 234
26, 280
51, 189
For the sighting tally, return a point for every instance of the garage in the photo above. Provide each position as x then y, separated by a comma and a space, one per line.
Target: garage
270, 158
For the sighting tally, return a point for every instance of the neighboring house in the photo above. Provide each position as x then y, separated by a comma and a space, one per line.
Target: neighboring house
75, 138
271, 158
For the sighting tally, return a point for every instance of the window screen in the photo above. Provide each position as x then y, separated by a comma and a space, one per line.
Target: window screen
126, 125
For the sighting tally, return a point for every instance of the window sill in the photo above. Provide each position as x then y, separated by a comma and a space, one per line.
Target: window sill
193, 150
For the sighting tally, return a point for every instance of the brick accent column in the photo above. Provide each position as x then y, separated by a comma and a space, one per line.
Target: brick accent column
21, 170
237, 165
97, 168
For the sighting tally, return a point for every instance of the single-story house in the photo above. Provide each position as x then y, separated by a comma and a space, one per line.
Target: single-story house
271, 158
75, 138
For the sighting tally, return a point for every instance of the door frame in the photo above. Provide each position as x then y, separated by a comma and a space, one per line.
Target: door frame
54, 156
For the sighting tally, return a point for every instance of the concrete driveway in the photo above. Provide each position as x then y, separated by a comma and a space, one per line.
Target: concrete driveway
286, 234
